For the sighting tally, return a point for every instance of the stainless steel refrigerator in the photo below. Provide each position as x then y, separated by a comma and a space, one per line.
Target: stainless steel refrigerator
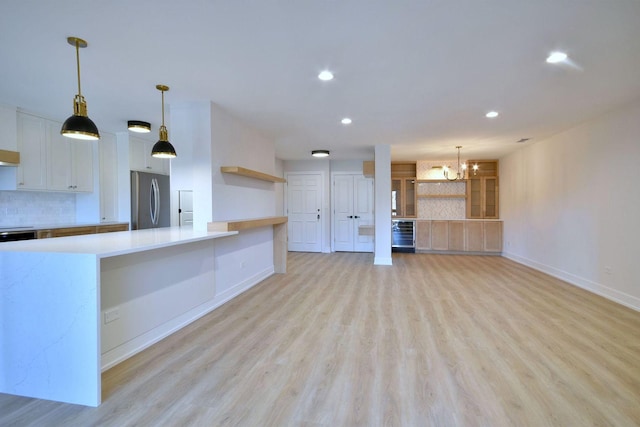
150, 204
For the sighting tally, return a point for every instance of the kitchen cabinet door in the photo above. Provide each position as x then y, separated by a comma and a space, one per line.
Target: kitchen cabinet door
456, 235
403, 197
492, 236
474, 236
482, 197
108, 178
32, 145
140, 158
69, 162
423, 235
440, 235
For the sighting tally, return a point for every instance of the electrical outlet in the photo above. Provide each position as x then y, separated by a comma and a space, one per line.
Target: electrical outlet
608, 270
111, 315
241, 264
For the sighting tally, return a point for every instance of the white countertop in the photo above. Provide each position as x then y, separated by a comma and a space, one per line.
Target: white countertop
105, 245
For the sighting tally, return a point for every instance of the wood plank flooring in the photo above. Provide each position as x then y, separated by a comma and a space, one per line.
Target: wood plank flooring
434, 340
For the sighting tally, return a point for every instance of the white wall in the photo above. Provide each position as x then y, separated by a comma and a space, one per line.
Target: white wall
571, 204
191, 169
206, 137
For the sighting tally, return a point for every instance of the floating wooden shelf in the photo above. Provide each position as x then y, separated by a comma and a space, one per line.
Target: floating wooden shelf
237, 170
279, 224
442, 196
366, 230
436, 181
244, 224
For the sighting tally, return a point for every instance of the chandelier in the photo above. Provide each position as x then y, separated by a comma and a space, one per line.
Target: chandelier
461, 171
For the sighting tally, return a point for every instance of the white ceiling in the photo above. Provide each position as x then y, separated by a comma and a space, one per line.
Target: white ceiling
416, 74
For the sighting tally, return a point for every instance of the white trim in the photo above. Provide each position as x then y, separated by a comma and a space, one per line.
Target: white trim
588, 285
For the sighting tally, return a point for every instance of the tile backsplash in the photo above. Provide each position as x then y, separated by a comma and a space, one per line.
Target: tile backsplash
25, 208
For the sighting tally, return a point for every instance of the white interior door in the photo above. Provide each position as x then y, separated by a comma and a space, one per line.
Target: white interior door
353, 207
304, 201
343, 222
185, 208
362, 212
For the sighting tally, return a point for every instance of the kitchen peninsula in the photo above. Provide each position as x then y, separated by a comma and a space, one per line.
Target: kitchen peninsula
74, 306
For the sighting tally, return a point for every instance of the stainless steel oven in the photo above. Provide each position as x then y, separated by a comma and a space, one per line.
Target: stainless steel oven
15, 234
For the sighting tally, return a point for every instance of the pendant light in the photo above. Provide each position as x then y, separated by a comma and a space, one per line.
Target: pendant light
461, 171
79, 126
163, 148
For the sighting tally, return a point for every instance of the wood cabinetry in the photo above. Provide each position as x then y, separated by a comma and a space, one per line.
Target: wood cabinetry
492, 241
110, 228
423, 235
456, 235
440, 235
403, 189
474, 236
140, 158
369, 168
403, 197
459, 236
483, 191
80, 230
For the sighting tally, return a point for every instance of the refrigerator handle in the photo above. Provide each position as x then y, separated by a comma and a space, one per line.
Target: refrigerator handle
157, 200
152, 201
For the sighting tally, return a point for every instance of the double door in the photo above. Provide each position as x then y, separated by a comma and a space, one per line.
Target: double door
353, 213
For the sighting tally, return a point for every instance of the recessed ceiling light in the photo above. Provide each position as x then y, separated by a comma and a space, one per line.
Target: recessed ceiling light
492, 114
320, 153
346, 121
325, 75
556, 57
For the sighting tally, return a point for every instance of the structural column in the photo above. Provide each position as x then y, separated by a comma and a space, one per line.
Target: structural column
383, 205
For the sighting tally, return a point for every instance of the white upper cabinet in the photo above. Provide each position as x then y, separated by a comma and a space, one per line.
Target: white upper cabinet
108, 178
69, 162
140, 157
49, 161
32, 145
8, 128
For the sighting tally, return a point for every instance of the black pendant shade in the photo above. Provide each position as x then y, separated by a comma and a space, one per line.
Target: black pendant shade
163, 148
79, 126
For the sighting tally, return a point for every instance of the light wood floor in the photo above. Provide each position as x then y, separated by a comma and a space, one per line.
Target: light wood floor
433, 340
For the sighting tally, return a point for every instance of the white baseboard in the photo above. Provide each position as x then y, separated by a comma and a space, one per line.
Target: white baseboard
141, 342
596, 288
